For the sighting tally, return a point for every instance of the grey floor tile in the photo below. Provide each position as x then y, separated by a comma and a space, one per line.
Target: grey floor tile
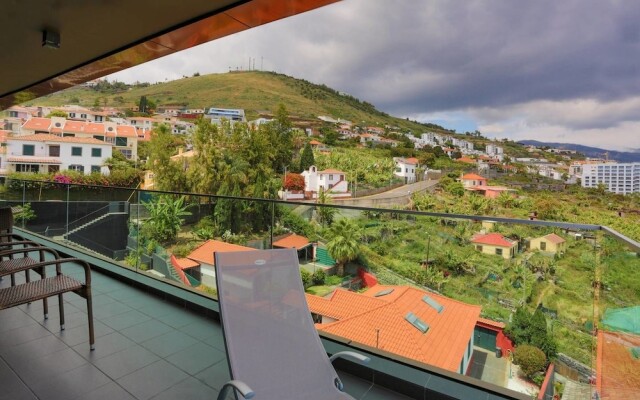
33, 349
22, 335
11, 383
354, 386
43, 368
146, 330
110, 391
216, 375
191, 389
196, 358
169, 343
71, 384
152, 380
126, 361
108, 345
125, 320
110, 309
80, 334
203, 329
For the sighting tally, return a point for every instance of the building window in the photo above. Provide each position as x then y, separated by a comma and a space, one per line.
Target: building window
95, 168
72, 115
121, 141
27, 168
499, 252
98, 137
84, 116
68, 135
76, 151
76, 167
96, 152
479, 248
127, 153
54, 151
28, 149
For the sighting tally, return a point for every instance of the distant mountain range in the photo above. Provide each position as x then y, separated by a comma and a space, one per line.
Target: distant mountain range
594, 152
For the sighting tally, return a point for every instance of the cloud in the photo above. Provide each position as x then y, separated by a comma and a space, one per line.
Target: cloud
567, 64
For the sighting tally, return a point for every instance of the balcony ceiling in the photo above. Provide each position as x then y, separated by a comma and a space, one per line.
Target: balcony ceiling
101, 37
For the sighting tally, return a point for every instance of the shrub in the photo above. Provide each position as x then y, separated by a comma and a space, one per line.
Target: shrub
530, 359
306, 277
318, 277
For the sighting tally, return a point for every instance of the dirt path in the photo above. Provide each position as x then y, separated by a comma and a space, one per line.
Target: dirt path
544, 292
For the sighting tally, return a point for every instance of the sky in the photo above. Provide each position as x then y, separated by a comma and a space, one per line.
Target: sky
559, 71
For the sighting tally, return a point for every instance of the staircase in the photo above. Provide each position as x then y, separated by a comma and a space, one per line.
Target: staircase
93, 221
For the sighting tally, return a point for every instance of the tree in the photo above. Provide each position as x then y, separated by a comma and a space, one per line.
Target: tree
325, 214
142, 104
23, 97
281, 138
166, 217
530, 359
57, 113
294, 182
527, 328
306, 159
168, 175
344, 245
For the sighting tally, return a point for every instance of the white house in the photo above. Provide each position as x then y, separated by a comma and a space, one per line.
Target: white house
332, 181
46, 153
406, 168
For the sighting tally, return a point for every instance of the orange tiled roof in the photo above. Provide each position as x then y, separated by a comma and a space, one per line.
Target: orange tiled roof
411, 160
204, 253
315, 143
95, 128
37, 124
492, 323
45, 137
473, 177
467, 160
382, 323
124, 131
617, 375
35, 160
75, 126
342, 304
180, 271
292, 241
330, 171
493, 239
184, 263
553, 238
4, 135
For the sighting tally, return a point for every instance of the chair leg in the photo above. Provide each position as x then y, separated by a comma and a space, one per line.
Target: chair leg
61, 308
90, 316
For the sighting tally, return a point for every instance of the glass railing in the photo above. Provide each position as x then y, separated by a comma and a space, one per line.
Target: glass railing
456, 292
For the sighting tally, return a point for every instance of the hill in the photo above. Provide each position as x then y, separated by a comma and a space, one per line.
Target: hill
257, 92
594, 152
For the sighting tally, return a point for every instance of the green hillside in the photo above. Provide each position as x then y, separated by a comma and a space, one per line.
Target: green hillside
255, 91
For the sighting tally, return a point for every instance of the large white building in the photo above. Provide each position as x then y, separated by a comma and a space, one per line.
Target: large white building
46, 153
230, 114
621, 178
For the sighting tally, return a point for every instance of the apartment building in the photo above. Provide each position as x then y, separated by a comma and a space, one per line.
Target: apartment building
46, 153
620, 178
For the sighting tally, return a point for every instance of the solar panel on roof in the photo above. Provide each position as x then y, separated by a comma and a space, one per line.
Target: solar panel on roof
383, 292
417, 322
434, 304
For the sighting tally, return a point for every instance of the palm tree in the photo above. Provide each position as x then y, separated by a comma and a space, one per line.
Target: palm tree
344, 245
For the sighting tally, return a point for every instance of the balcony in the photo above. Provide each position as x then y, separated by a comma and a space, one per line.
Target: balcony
157, 334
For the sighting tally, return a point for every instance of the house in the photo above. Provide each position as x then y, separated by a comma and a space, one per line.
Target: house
550, 243
331, 181
473, 180
46, 153
406, 168
402, 320
466, 160
203, 255
495, 243
293, 241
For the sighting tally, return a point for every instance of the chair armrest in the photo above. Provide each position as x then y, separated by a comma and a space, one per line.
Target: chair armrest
8, 244
11, 236
59, 261
350, 355
239, 386
26, 250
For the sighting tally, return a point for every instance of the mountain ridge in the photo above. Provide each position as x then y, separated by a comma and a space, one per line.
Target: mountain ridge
589, 151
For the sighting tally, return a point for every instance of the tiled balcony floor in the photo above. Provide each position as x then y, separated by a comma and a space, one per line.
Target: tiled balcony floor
146, 348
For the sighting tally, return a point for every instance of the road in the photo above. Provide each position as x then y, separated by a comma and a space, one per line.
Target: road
395, 197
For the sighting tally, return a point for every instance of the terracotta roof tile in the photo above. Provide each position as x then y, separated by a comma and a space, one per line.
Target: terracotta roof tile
330, 171
383, 324
473, 177
292, 241
204, 253
45, 137
617, 375
37, 124
35, 160
553, 238
493, 239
